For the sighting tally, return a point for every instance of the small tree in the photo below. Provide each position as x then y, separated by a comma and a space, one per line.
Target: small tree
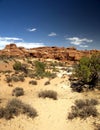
39, 68
88, 69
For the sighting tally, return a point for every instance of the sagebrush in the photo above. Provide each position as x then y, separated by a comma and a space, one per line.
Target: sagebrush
48, 94
16, 107
18, 92
83, 109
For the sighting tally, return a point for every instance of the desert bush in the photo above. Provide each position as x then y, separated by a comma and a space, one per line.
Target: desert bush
83, 109
87, 112
49, 75
53, 75
48, 94
88, 70
13, 108
47, 83
21, 78
8, 79
81, 103
1, 112
24, 68
17, 65
92, 102
39, 68
33, 82
77, 86
15, 78
16, 107
29, 111
18, 92
32, 75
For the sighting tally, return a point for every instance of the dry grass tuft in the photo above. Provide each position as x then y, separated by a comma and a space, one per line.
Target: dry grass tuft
16, 107
18, 92
83, 109
48, 94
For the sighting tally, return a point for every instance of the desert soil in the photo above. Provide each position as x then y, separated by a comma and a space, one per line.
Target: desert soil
52, 114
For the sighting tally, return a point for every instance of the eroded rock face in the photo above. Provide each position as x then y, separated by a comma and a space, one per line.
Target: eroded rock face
13, 50
69, 55
11, 46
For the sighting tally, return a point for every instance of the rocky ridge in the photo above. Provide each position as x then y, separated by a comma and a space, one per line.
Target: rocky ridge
56, 53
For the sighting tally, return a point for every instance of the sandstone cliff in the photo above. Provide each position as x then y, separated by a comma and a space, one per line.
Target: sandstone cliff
57, 53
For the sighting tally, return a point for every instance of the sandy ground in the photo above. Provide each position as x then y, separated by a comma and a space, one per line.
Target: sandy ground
52, 114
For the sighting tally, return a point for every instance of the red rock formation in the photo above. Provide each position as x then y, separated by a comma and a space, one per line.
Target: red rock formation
59, 53
13, 50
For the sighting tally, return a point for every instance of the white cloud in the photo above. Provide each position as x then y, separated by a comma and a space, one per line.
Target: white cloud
19, 42
79, 41
84, 46
32, 29
52, 34
30, 44
10, 38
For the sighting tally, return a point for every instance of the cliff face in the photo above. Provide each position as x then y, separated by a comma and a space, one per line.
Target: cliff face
57, 53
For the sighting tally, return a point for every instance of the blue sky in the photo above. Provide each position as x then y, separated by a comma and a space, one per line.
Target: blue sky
34, 23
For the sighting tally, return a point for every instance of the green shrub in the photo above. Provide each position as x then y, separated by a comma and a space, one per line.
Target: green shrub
16, 107
18, 92
49, 74
83, 109
48, 94
39, 68
17, 66
88, 69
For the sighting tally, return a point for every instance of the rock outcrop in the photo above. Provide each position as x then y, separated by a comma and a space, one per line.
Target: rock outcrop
70, 54
13, 50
